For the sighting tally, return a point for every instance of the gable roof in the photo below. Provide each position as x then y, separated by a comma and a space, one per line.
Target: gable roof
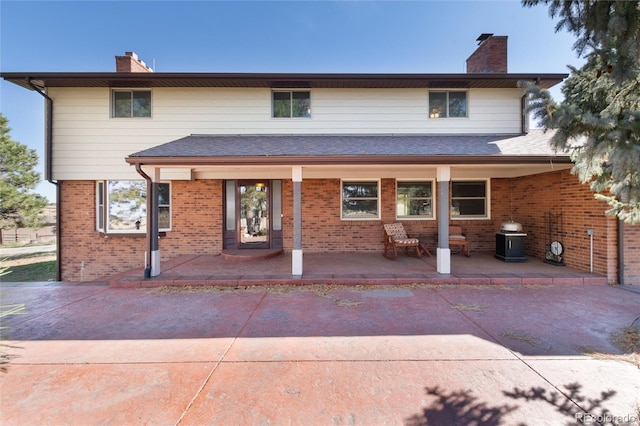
278, 80
533, 147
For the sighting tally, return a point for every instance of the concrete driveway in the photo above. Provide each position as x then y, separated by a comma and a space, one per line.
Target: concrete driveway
414, 355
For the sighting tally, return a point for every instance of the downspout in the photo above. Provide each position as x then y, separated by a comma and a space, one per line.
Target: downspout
523, 117
620, 252
147, 268
48, 166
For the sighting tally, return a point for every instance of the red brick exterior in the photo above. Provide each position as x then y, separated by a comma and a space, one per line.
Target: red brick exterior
86, 254
197, 220
560, 193
631, 241
490, 56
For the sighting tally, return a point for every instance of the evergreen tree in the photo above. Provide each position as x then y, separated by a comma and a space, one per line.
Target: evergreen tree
598, 122
19, 207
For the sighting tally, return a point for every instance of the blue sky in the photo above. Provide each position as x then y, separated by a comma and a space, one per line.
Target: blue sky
261, 36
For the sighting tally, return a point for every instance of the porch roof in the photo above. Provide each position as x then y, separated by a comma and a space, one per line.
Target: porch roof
305, 149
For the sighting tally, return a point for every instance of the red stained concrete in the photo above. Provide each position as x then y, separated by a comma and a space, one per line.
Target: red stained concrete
437, 354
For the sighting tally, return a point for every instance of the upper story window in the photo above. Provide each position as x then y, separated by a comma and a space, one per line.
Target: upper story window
470, 199
414, 200
360, 200
124, 203
131, 103
447, 104
291, 104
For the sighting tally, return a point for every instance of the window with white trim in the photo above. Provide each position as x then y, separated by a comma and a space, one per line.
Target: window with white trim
414, 199
447, 104
131, 103
291, 104
470, 199
360, 199
124, 204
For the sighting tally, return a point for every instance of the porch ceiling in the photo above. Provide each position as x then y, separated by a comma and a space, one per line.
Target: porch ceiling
508, 155
368, 171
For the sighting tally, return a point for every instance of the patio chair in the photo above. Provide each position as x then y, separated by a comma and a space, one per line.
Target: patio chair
458, 239
395, 237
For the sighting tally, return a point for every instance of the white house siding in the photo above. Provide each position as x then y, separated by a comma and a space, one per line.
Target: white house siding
89, 144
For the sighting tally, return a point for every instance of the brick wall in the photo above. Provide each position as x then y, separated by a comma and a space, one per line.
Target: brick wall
631, 254
197, 220
324, 231
87, 254
560, 193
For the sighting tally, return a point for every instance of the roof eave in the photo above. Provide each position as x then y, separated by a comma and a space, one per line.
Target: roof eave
347, 160
111, 79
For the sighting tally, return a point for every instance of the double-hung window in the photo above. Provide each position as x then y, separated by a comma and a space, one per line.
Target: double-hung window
131, 103
447, 104
470, 199
291, 104
121, 206
360, 199
414, 200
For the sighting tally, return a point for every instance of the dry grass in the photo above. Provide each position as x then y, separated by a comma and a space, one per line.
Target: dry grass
322, 290
347, 302
470, 308
520, 337
633, 359
627, 339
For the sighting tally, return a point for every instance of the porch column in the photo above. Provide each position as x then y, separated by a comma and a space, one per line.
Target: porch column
443, 253
296, 253
152, 222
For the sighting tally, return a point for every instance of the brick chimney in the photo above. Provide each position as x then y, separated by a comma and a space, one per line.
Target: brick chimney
490, 56
130, 63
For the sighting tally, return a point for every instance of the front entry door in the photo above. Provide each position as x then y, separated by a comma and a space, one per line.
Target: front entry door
253, 214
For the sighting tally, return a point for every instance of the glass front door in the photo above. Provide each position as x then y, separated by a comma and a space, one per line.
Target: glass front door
254, 214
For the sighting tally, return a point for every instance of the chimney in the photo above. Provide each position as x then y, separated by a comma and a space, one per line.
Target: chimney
130, 63
490, 56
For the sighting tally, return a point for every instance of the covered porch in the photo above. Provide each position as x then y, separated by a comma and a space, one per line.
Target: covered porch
327, 167
482, 268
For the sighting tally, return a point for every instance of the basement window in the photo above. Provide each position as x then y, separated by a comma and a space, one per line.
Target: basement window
131, 103
124, 204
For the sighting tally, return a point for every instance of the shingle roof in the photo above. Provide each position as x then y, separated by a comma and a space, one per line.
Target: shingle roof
361, 147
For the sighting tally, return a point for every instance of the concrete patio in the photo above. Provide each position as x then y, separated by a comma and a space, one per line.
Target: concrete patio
351, 268
85, 354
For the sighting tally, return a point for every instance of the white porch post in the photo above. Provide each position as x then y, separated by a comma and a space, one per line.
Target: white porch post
296, 253
152, 222
443, 253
